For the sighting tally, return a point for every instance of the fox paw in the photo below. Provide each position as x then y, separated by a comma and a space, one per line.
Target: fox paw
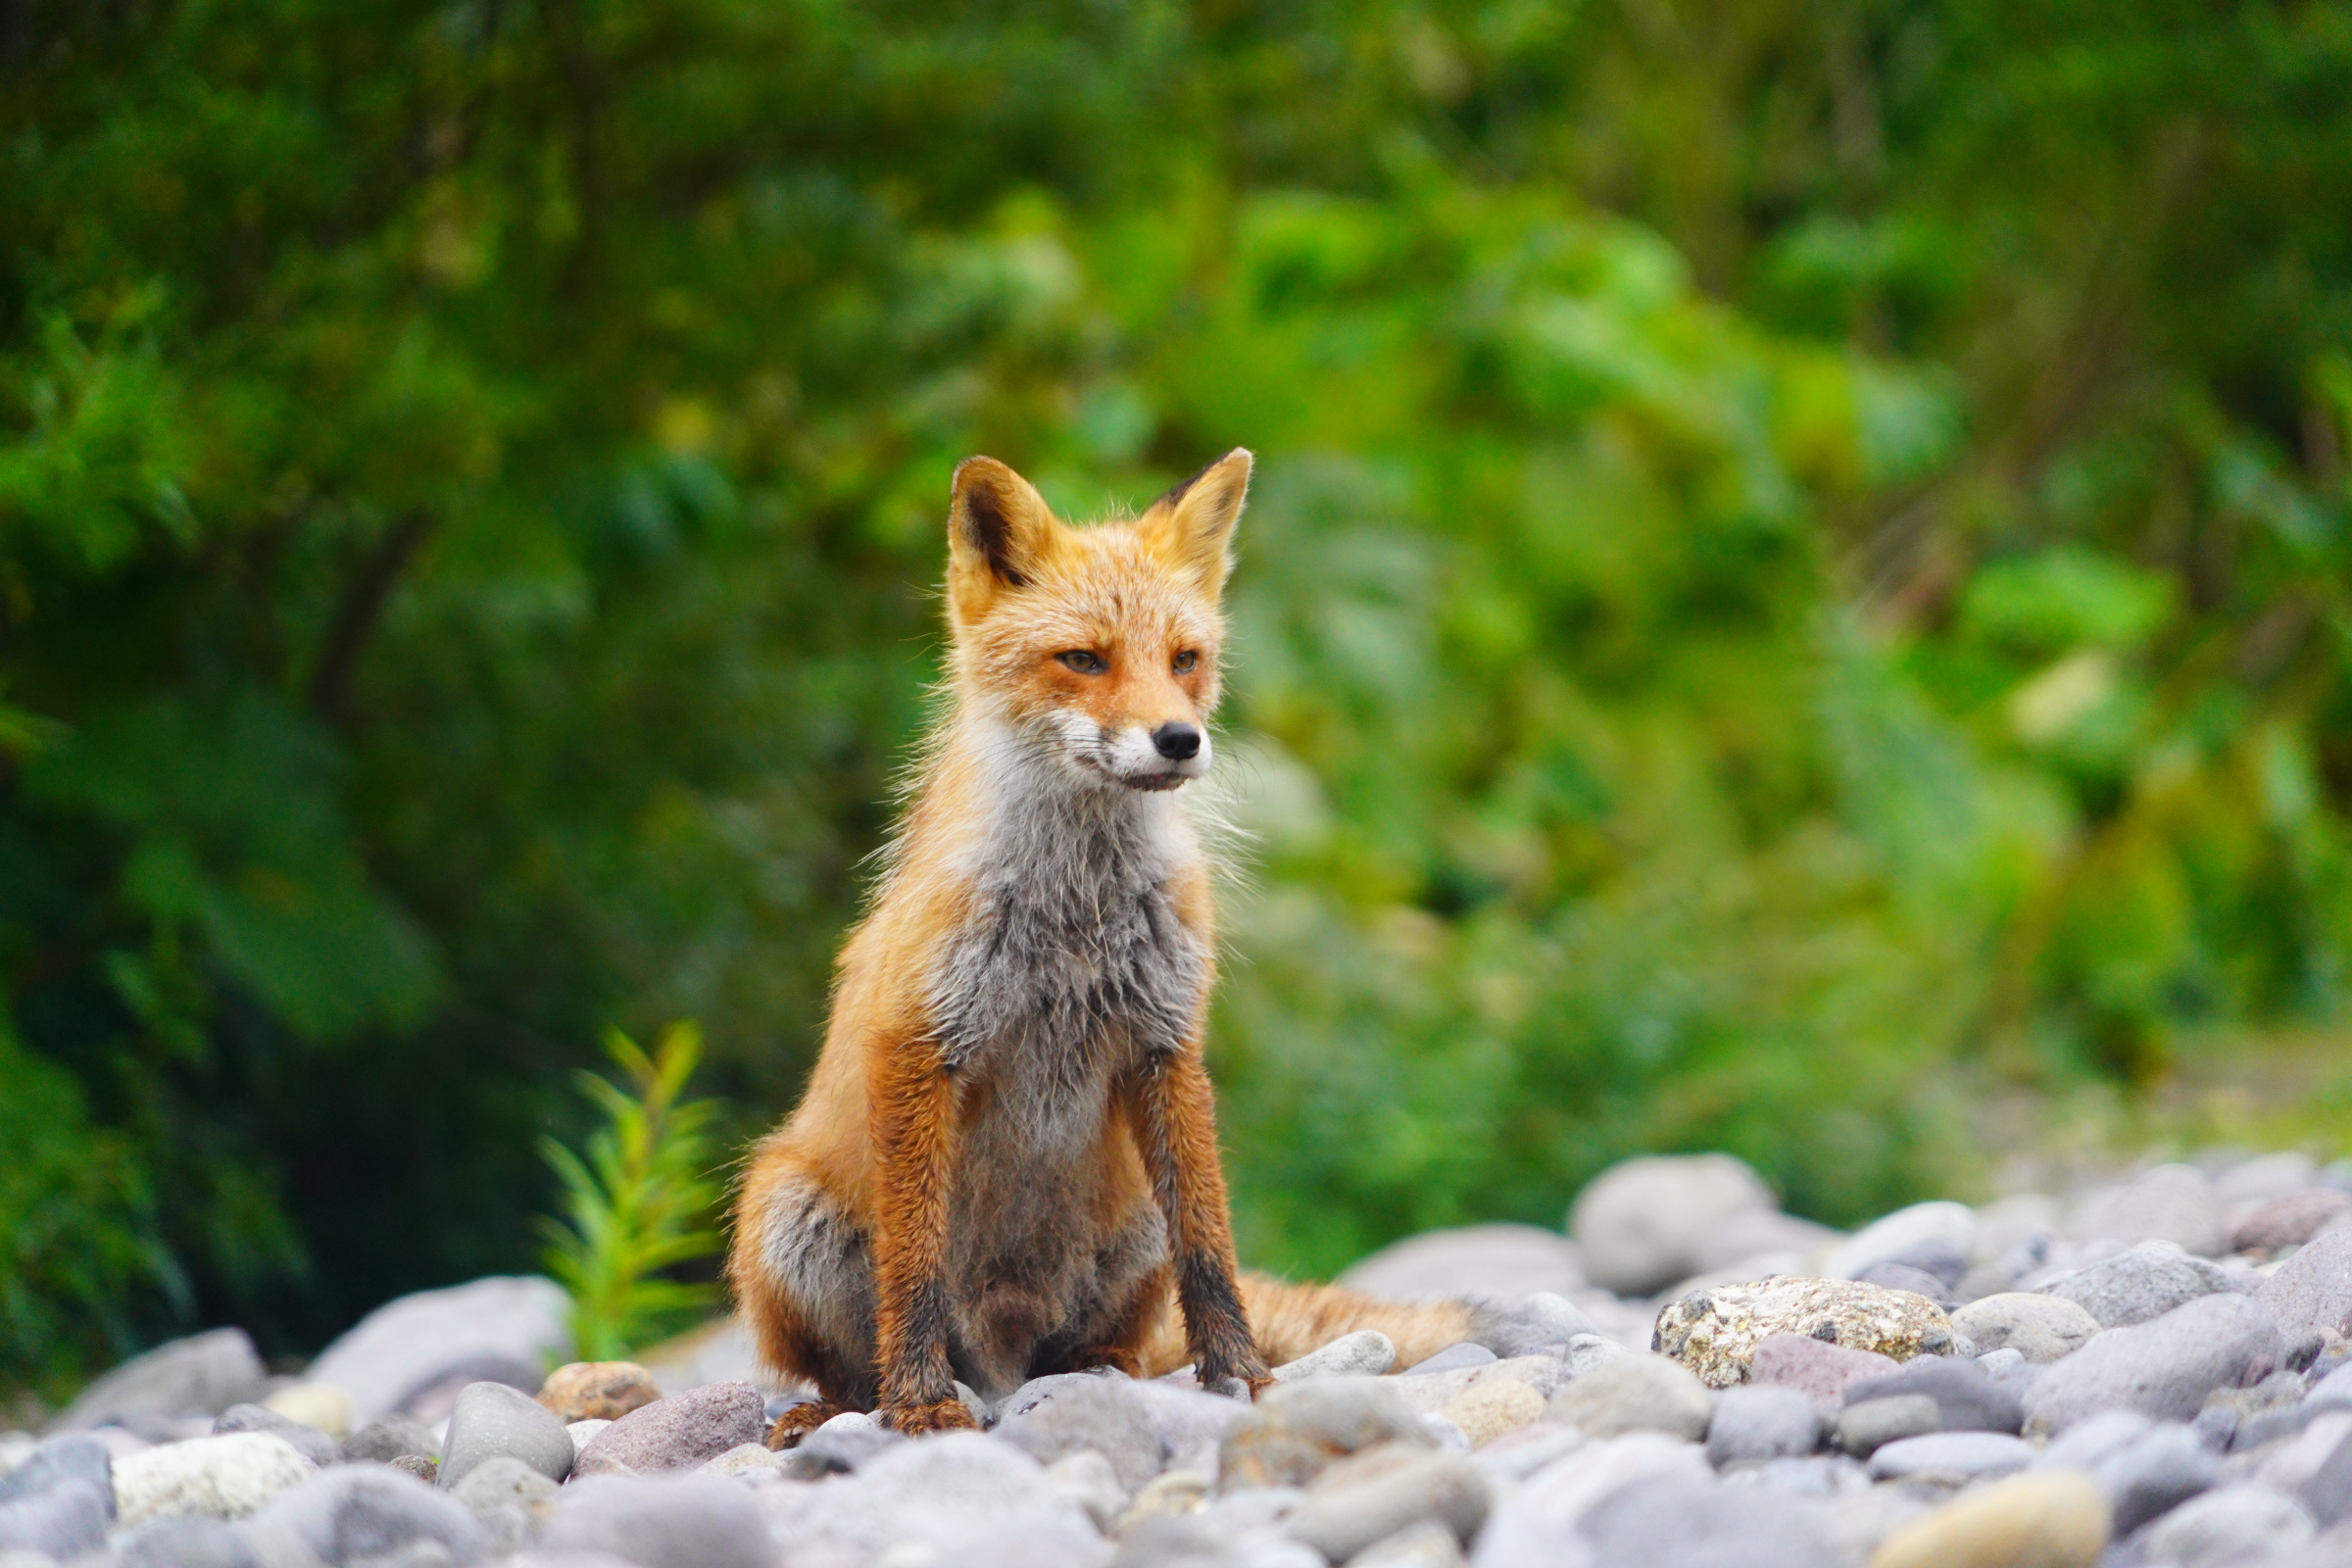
798, 1422
1246, 1387
1115, 1357
942, 1415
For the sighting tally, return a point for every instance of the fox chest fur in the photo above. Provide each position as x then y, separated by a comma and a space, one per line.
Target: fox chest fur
1070, 970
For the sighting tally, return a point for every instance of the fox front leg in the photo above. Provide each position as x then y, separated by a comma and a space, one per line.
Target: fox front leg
1177, 1115
913, 1129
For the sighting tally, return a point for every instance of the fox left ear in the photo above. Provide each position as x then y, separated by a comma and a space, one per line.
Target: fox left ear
1192, 526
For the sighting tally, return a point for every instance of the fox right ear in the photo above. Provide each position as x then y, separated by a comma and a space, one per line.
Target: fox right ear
999, 534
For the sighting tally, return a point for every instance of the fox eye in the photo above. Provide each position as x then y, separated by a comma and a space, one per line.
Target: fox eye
1085, 660
1186, 661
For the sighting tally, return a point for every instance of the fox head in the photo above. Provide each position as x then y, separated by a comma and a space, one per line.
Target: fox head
1098, 645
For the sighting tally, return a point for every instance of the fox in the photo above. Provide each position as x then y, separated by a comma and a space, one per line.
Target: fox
1006, 1161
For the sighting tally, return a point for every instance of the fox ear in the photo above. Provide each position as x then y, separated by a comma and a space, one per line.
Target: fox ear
1000, 532
1192, 526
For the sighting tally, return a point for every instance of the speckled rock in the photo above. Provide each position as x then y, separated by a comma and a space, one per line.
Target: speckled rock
2054, 1520
1715, 1333
2139, 1284
678, 1433
598, 1391
2313, 1289
2162, 1369
218, 1478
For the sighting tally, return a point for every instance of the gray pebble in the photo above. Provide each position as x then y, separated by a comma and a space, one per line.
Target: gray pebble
1904, 1277
2169, 1203
1082, 1411
391, 1438
62, 1520
77, 1457
1539, 1320
671, 1521
1372, 1494
1754, 1424
2039, 1327
508, 1498
1632, 1394
1299, 1428
2329, 1493
2154, 1473
2164, 1368
1680, 1520
185, 1542
1088, 1479
492, 1420
2226, 1526
2138, 1285
1426, 1545
680, 1432
203, 1375
1366, 1352
1863, 1429
1967, 1396
2313, 1289
839, 1446
1970, 1455
308, 1441
356, 1512
1452, 1358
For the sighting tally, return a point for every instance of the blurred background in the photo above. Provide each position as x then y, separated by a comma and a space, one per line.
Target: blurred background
1795, 599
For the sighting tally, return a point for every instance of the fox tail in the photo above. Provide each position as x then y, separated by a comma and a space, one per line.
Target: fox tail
1290, 1320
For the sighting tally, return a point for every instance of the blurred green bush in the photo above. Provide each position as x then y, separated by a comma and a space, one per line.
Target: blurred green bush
1796, 575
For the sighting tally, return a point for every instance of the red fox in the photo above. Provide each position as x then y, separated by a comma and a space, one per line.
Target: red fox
1005, 1163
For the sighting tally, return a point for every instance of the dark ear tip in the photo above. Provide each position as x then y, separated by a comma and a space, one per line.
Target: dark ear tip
974, 468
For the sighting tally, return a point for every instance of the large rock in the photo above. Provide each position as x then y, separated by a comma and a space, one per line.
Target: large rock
678, 1433
2162, 1369
2040, 1328
361, 1513
967, 1497
1634, 1393
1715, 1332
2169, 1203
1493, 1262
504, 1328
1639, 1223
2054, 1520
683, 1521
218, 1478
202, 1375
493, 1421
2135, 1286
2313, 1289
1370, 1495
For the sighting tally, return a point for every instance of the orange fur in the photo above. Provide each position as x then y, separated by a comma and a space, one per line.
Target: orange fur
1092, 1227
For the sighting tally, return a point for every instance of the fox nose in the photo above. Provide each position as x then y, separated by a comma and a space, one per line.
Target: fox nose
1177, 743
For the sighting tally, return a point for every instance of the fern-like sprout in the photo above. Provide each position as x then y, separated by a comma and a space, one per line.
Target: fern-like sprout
640, 1201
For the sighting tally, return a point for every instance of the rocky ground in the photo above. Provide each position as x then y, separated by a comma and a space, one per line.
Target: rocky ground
2151, 1371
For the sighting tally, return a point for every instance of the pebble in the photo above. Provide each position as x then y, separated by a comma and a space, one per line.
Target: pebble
678, 1433
358, 1513
1639, 1224
1946, 1229
391, 1438
1545, 1374
1368, 1353
2138, 1285
581, 1433
964, 1496
504, 1328
2163, 1368
494, 1421
1634, 1393
1537, 1323
672, 1521
1454, 1358
2329, 1493
1494, 1408
2052, 1520
597, 1391
2167, 1203
422, 1466
1682, 1519
1079, 1412
184, 1544
1497, 1262
203, 1375
1532, 1525
1817, 1368
509, 1500
1967, 1398
1372, 1494
2040, 1328
2313, 1289
839, 1446
308, 1441
1715, 1333
1864, 1428
1175, 1493
218, 1478
2291, 1220
75, 1457
1297, 1429
62, 1520
748, 1461
2154, 1472
1747, 1236
1426, 1545
320, 1406
1088, 1479
2226, 1526
1758, 1423
1969, 1456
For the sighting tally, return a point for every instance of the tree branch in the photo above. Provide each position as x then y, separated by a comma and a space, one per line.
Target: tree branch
363, 600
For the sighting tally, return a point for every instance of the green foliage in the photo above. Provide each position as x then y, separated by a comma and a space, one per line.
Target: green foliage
639, 1204
1798, 573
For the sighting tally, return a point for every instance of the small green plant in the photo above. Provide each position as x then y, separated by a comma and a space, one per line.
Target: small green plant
638, 1203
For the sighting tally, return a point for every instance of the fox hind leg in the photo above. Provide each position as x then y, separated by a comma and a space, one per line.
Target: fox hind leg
805, 1285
